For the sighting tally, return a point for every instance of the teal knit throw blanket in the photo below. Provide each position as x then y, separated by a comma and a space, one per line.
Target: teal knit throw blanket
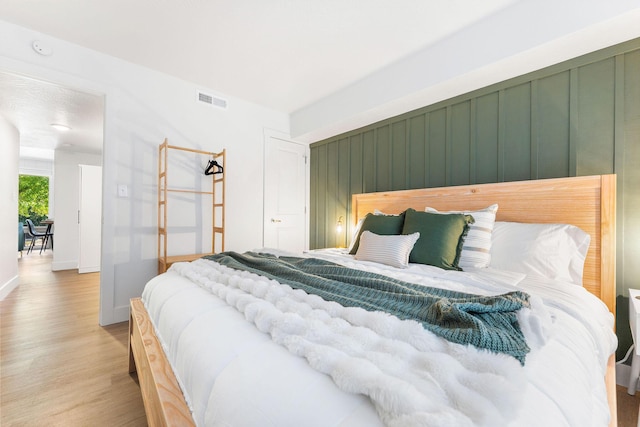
487, 322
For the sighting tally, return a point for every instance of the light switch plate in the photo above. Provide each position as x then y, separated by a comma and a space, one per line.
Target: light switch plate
123, 190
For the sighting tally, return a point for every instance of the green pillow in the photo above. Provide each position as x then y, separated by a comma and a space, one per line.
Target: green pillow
441, 237
383, 225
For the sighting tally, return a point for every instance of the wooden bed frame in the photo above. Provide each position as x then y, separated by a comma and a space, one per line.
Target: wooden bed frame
587, 202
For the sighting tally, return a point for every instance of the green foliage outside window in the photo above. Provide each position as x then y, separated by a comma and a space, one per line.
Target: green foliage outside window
33, 199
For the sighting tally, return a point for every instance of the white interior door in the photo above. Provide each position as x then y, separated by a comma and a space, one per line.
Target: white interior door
285, 220
90, 218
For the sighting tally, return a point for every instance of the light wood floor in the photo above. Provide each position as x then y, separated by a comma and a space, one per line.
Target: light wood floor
58, 367
627, 408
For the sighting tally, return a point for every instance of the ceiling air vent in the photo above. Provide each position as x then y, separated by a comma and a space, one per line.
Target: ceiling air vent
208, 99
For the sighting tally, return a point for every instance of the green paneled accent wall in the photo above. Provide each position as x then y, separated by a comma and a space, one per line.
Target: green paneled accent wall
580, 117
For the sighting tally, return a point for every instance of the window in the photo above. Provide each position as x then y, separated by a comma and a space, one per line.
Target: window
33, 198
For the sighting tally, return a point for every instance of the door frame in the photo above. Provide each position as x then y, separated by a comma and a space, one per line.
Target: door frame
275, 134
95, 221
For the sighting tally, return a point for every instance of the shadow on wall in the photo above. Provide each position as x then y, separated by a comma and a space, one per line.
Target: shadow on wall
622, 327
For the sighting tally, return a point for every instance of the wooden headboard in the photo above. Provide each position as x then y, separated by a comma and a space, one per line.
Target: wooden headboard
587, 202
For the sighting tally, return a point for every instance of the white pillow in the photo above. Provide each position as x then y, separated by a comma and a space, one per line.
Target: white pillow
476, 248
389, 250
554, 251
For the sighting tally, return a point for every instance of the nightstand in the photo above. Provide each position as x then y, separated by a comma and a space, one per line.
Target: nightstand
634, 323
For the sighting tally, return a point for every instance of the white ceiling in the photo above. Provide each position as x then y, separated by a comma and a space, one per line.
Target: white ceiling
33, 106
282, 54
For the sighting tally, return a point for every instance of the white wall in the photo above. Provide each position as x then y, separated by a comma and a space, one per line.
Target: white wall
142, 107
66, 194
10, 143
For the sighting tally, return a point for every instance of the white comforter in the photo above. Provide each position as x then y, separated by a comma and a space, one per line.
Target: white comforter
242, 348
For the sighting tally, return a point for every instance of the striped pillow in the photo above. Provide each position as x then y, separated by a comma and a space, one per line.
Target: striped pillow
389, 250
476, 249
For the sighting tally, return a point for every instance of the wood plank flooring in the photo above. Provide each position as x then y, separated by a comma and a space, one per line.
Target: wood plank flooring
58, 367
627, 408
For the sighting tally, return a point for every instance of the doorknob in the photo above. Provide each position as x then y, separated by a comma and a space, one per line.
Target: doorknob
275, 220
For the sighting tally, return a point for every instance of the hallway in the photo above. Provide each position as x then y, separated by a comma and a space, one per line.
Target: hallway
58, 366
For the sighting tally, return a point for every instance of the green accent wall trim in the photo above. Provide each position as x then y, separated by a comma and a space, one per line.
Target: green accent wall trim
579, 117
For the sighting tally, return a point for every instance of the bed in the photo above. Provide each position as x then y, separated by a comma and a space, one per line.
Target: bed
237, 375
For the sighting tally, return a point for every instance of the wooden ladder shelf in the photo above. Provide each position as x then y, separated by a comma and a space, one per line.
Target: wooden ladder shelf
217, 195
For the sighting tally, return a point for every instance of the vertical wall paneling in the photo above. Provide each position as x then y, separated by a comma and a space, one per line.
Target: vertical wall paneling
620, 118
573, 121
383, 159
416, 149
427, 149
486, 138
314, 180
517, 133
535, 118
627, 167
332, 202
447, 146
631, 86
368, 162
319, 157
472, 141
437, 147
630, 182
398, 143
356, 184
552, 125
580, 117
595, 118
407, 160
343, 191
460, 141
501, 135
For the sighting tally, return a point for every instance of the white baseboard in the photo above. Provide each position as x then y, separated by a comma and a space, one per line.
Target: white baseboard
120, 314
8, 287
64, 265
622, 374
